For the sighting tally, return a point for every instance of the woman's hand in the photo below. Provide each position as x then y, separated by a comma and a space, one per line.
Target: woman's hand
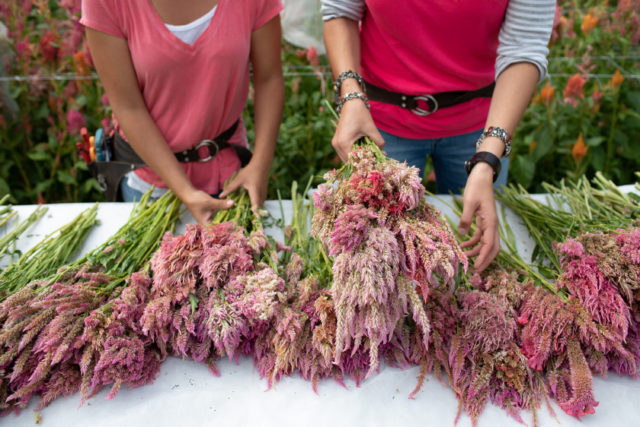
478, 200
254, 178
203, 207
355, 122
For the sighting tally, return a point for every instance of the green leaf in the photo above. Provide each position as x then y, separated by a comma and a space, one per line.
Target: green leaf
522, 170
42, 186
544, 143
66, 178
598, 157
594, 141
634, 99
4, 188
193, 300
40, 153
81, 101
42, 111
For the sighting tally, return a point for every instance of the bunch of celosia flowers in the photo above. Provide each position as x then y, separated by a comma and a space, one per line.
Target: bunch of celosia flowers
208, 293
596, 329
386, 241
45, 328
486, 360
587, 321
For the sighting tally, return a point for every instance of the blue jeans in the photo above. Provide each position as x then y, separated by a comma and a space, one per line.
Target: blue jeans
447, 154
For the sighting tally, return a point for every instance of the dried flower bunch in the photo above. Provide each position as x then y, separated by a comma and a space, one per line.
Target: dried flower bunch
386, 241
486, 359
46, 328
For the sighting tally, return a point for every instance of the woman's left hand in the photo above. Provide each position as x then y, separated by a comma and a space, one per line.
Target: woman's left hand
254, 179
478, 200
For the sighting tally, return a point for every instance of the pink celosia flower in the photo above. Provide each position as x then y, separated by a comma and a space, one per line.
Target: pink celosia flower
75, 121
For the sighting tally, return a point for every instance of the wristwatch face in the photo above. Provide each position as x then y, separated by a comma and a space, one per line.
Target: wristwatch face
467, 166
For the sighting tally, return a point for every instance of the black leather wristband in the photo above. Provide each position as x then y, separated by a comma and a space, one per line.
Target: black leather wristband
487, 157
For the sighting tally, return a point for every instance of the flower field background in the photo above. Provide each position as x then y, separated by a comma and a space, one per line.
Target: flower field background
584, 118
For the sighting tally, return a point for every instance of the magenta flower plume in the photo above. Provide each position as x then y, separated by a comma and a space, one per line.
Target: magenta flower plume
351, 228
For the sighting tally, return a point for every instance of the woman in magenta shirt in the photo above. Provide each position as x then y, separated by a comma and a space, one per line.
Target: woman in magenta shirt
177, 73
426, 71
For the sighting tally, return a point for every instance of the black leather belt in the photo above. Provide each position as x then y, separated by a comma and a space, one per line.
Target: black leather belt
433, 101
204, 151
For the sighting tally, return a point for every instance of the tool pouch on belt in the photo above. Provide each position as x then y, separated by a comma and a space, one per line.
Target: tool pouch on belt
123, 159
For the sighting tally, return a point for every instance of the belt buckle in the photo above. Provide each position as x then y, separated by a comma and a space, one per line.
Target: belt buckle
206, 143
426, 98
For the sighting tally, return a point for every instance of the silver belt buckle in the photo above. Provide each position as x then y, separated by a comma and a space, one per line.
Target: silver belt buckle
426, 98
206, 143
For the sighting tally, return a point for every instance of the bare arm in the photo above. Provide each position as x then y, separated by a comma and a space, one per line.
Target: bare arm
113, 62
268, 84
342, 40
514, 89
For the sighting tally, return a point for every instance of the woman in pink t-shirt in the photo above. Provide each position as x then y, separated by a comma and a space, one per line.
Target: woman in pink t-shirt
426, 71
177, 73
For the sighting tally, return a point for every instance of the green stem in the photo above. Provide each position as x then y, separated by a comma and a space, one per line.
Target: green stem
614, 119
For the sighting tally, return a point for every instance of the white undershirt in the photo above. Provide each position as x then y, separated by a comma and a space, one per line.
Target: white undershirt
188, 33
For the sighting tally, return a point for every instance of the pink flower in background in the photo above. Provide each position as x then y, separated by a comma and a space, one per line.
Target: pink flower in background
75, 121
104, 100
26, 6
47, 46
312, 56
70, 91
574, 89
106, 124
557, 24
72, 6
23, 48
597, 96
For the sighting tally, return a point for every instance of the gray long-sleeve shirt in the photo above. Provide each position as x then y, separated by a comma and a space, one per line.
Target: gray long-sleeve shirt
524, 35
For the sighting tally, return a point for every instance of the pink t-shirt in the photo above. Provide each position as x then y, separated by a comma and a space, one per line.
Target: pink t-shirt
193, 92
422, 47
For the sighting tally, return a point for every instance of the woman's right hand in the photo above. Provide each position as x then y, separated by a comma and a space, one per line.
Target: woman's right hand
355, 122
203, 207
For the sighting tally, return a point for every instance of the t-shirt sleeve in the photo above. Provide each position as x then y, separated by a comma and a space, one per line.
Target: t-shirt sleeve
267, 9
99, 15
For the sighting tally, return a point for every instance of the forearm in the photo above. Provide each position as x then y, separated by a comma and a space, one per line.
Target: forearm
146, 139
514, 88
342, 41
142, 133
268, 105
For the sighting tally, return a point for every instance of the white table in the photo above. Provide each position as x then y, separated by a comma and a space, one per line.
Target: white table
187, 394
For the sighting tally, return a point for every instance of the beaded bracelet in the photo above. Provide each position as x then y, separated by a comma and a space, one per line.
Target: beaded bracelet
500, 133
337, 85
349, 96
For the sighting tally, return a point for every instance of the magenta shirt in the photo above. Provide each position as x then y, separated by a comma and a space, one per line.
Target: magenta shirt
417, 47
193, 92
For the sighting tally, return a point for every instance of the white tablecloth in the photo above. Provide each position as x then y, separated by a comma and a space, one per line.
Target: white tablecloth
187, 394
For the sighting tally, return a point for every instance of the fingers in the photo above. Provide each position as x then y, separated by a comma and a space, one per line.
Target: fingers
203, 207
489, 249
466, 219
257, 196
473, 240
230, 188
342, 147
376, 137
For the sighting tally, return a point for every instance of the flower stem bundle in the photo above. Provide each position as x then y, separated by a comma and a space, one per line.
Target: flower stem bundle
45, 257
8, 239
